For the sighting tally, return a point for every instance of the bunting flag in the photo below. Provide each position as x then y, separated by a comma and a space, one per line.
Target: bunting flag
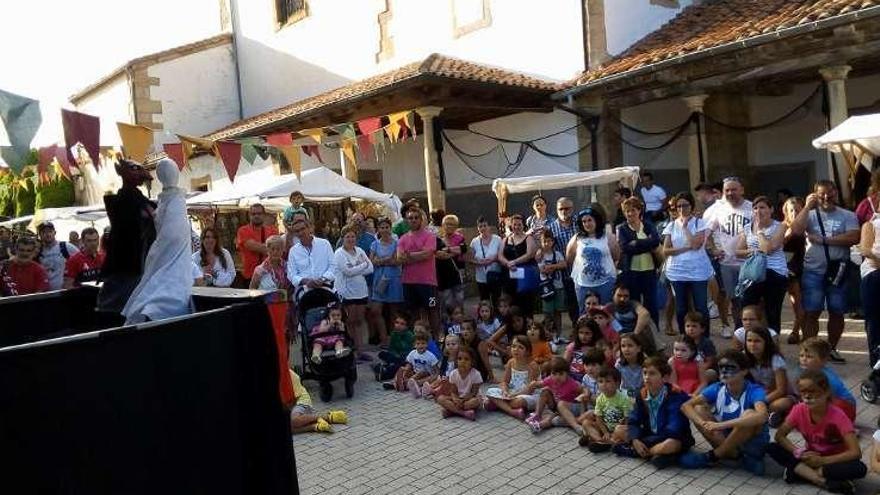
83, 129
294, 159
249, 150
313, 151
365, 147
176, 153
63, 164
378, 142
45, 156
345, 131
136, 140
204, 144
409, 125
21, 118
349, 152
230, 154
264, 151
369, 126
394, 125
279, 139
317, 134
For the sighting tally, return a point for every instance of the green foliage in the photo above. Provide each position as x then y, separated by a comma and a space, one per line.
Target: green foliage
58, 193
25, 197
20, 196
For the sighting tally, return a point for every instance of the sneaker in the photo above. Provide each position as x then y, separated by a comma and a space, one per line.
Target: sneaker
336, 417
663, 461
414, 388
323, 426
519, 414
341, 353
490, 405
469, 414
835, 357
752, 464
316, 358
532, 417
694, 460
445, 413
841, 486
789, 476
597, 447
387, 386
775, 420
726, 332
580, 431
584, 441
713, 310
624, 450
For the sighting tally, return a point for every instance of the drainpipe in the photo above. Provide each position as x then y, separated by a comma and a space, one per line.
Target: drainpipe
233, 22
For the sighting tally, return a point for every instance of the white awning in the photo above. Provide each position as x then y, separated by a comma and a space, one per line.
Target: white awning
504, 187
857, 138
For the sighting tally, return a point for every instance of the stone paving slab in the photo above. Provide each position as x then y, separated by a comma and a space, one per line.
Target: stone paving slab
397, 444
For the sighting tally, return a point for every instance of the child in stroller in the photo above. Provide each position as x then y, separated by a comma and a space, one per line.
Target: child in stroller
330, 332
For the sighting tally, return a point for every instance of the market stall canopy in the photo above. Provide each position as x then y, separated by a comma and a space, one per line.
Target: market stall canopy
856, 138
65, 220
317, 184
505, 187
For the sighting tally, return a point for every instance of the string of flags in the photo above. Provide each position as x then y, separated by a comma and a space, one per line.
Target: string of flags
359, 141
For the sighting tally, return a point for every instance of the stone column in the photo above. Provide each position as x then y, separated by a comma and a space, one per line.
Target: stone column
436, 195
835, 80
695, 104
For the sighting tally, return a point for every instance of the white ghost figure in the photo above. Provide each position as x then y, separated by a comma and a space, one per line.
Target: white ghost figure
165, 289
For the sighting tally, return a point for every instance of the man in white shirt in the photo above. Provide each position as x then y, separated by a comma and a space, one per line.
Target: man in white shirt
310, 263
654, 197
727, 218
53, 254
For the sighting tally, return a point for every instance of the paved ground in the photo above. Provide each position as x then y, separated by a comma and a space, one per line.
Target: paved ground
397, 444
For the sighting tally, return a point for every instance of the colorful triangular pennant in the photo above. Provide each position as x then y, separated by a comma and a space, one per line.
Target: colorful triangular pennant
230, 154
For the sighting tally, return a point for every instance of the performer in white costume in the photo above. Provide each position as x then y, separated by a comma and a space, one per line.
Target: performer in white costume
165, 289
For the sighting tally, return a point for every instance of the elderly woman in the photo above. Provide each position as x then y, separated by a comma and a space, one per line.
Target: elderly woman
518, 257
592, 255
214, 262
450, 263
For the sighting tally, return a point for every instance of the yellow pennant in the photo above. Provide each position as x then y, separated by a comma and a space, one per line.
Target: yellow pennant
348, 151
294, 159
136, 140
393, 128
317, 134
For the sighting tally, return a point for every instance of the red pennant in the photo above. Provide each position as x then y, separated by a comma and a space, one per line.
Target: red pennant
313, 150
369, 126
61, 156
175, 152
279, 139
46, 155
230, 155
365, 147
82, 128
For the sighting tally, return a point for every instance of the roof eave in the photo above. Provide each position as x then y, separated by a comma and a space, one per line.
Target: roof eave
831, 22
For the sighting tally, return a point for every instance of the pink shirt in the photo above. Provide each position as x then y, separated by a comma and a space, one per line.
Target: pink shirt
825, 437
465, 384
566, 391
421, 272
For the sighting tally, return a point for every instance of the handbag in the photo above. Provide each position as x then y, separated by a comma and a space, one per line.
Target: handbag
529, 282
836, 271
753, 271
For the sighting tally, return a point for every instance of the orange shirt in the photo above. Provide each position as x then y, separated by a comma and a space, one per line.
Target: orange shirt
250, 259
541, 352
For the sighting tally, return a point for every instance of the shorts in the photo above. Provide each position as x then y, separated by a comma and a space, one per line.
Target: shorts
729, 278
361, 301
716, 267
301, 410
420, 296
555, 304
815, 294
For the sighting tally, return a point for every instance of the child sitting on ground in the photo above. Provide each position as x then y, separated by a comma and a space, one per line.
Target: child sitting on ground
606, 425
514, 324
685, 365
707, 355
831, 458
732, 416
302, 416
465, 396
768, 370
471, 340
657, 430
439, 385
752, 316
593, 360
487, 323
630, 363
422, 326
606, 325
399, 346
421, 365
586, 336
511, 396
540, 343
454, 316
559, 394
330, 332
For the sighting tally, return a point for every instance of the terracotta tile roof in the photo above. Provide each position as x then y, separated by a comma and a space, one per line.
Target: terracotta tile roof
434, 65
713, 23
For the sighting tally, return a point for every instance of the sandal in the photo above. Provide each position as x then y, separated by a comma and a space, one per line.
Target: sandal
336, 417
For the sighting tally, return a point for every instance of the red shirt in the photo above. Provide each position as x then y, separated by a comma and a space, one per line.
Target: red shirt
29, 277
250, 259
83, 268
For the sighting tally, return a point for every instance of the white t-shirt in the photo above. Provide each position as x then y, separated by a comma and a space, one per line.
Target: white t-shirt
764, 375
483, 252
552, 258
465, 383
690, 266
653, 198
868, 265
740, 334
726, 223
350, 271
54, 262
775, 259
424, 362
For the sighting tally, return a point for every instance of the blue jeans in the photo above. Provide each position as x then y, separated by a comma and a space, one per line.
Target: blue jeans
642, 288
604, 291
816, 293
871, 308
683, 292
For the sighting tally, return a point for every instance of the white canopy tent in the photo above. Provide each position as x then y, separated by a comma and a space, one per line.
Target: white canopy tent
504, 187
317, 184
65, 220
856, 138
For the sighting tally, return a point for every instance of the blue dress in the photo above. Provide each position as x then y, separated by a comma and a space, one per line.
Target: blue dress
393, 288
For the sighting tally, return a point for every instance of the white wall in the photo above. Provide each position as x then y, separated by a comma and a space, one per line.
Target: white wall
337, 44
198, 91
111, 104
653, 117
627, 21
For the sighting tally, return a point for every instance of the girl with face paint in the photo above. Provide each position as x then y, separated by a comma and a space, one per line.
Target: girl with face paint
831, 458
731, 415
685, 365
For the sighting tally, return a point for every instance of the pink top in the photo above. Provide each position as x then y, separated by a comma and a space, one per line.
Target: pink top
465, 384
455, 239
566, 391
825, 437
421, 272
687, 374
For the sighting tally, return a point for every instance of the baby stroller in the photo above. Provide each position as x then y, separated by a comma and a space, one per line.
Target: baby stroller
871, 387
312, 307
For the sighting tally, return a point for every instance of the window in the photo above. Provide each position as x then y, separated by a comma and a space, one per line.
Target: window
469, 16
290, 11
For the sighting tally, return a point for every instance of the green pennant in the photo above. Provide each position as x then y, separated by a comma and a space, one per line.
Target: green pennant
249, 152
345, 131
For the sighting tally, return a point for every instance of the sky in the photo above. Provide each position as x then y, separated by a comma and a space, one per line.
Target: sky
49, 58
